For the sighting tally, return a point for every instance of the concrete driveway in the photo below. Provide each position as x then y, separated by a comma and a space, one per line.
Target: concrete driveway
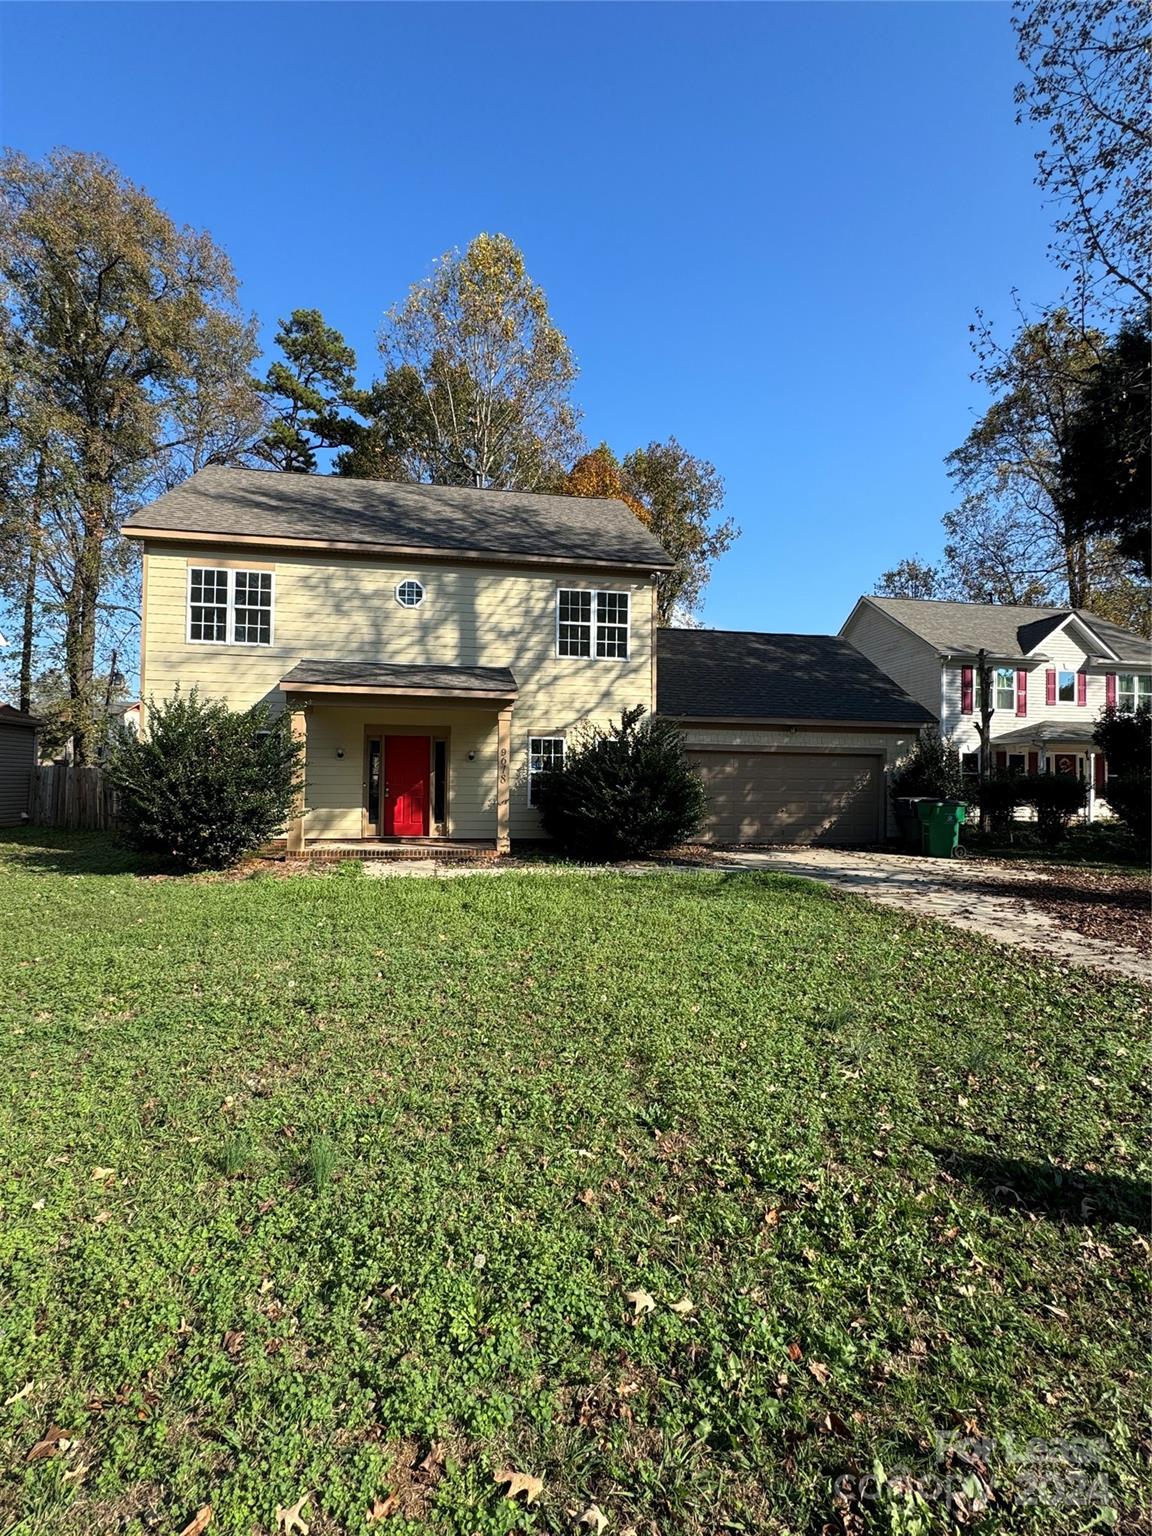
947, 889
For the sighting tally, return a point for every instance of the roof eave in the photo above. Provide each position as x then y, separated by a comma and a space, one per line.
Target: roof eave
390, 551
774, 721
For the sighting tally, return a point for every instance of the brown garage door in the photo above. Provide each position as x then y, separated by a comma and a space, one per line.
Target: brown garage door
791, 797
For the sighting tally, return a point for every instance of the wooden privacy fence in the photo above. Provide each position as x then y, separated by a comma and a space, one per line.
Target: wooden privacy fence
61, 795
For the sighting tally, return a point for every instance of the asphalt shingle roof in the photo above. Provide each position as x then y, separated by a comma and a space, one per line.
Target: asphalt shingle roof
1002, 629
270, 504
417, 678
726, 674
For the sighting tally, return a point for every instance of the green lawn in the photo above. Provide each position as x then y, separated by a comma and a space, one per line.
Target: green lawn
336, 1187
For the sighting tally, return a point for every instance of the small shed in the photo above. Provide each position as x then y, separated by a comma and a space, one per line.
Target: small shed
17, 760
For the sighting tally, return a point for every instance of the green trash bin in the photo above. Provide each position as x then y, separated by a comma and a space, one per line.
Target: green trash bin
940, 823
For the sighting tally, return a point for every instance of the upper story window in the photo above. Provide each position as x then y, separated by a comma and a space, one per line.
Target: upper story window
1003, 688
1066, 687
410, 594
229, 607
591, 623
1133, 690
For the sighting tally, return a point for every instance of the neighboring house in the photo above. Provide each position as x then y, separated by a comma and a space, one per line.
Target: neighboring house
1054, 669
17, 759
436, 647
794, 735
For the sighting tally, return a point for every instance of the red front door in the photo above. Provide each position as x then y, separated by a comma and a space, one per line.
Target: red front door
406, 776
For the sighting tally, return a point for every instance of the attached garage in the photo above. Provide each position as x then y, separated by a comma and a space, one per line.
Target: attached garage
792, 797
793, 735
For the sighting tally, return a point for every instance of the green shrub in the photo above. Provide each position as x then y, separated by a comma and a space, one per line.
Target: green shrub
623, 792
206, 784
932, 768
1130, 801
1056, 798
999, 797
1125, 738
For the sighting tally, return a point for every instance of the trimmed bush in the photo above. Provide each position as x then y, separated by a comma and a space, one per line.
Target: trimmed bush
623, 792
931, 768
1125, 738
206, 784
1056, 799
999, 797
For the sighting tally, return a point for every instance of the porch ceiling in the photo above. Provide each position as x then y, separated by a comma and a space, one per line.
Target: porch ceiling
392, 680
1069, 732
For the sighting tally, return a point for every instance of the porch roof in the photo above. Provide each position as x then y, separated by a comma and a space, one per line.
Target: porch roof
1071, 732
400, 681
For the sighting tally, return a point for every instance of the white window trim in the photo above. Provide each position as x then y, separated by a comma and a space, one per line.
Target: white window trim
546, 736
596, 593
230, 604
413, 581
1062, 672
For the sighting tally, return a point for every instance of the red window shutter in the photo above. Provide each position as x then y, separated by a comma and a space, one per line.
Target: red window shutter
1050, 686
1021, 691
1109, 691
1081, 687
1100, 772
965, 690
1033, 762
1001, 761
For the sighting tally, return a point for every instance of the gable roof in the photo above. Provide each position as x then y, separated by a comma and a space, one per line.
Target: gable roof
272, 506
1003, 629
720, 674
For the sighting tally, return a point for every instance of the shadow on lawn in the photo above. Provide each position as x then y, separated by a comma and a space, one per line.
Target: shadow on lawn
1084, 1199
51, 851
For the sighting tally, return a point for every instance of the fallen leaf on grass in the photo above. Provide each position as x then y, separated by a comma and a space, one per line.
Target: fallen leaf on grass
16, 1396
683, 1306
199, 1522
101, 1175
795, 1352
520, 1482
55, 1441
234, 1341
642, 1303
289, 1520
821, 1372
382, 1508
595, 1519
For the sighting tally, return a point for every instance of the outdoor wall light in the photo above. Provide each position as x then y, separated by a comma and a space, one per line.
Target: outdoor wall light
471, 757
339, 751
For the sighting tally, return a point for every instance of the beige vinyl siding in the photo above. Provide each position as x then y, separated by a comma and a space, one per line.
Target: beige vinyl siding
343, 608
17, 758
907, 659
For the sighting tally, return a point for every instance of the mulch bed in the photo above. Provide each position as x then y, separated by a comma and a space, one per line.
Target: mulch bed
1099, 903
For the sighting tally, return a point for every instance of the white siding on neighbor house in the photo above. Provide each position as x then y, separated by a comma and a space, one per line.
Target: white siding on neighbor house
907, 659
1065, 655
17, 759
330, 607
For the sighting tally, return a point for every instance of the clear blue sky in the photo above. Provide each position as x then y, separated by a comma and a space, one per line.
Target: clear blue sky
764, 228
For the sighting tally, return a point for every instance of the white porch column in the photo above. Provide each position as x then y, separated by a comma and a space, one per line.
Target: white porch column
1091, 808
503, 778
299, 723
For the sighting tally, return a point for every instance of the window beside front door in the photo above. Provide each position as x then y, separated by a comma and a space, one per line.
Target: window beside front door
970, 765
1132, 690
1066, 687
1017, 762
229, 607
543, 752
593, 624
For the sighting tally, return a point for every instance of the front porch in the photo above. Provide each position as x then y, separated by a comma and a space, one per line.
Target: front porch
1056, 747
400, 761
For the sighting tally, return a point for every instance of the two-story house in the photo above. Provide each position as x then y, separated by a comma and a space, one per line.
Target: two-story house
1053, 670
436, 647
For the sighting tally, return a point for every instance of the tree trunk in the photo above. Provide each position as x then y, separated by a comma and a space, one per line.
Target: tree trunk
28, 622
80, 642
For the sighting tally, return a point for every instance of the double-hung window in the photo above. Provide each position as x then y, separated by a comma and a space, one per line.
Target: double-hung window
1066, 687
1133, 690
1003, 689
592, 623
543, 752
229, 607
